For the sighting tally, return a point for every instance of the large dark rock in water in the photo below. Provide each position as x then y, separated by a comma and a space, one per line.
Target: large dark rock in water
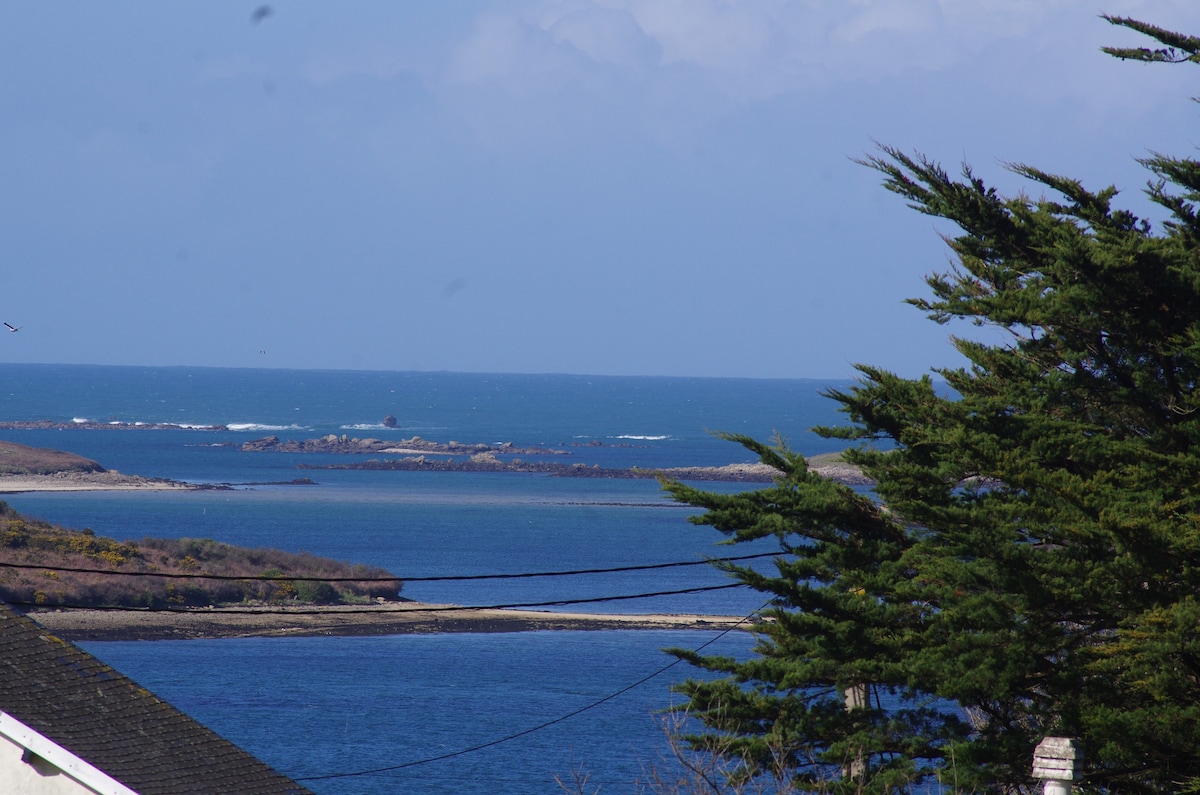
389, 421
258, 445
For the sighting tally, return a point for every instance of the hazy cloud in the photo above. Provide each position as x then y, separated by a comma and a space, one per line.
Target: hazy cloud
771, 45
660, 69
605, 35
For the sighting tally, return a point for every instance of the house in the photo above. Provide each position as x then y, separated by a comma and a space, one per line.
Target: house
71, 725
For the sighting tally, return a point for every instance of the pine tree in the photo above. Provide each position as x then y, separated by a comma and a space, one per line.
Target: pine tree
1028, 563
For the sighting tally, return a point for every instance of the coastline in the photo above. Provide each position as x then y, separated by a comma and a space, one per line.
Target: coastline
348, 620
90, 481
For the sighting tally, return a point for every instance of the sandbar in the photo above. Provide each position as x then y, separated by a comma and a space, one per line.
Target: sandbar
393, 618
88, 481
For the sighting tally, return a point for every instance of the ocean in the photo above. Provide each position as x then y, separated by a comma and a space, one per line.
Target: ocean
445, 713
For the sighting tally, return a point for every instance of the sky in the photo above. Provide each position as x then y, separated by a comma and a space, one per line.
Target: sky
607, 187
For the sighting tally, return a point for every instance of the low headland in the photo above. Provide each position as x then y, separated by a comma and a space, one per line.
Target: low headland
24, 468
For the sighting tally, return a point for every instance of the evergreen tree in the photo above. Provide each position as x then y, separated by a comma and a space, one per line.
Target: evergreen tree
1028, 563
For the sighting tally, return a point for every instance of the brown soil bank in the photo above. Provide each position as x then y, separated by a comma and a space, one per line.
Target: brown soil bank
18, 459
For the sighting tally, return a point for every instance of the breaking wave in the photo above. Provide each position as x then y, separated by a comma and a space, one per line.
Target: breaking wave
256, 427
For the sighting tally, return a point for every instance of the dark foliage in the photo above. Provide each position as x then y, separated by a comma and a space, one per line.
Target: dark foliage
1029, 561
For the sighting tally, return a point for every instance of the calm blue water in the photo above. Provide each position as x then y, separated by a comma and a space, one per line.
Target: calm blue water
320, 706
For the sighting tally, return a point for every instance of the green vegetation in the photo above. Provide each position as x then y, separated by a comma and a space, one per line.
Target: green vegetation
826, 459
34, 555
1029, 562
18, 459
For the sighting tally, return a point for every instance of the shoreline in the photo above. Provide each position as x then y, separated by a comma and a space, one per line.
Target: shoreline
108, 480
348, 621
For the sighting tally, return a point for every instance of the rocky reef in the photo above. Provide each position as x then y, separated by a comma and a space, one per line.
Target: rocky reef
422, 455
95, 425
332, 443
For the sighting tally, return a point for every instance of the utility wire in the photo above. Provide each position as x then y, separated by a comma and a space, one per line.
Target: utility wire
372, 611
539, 727
442, 578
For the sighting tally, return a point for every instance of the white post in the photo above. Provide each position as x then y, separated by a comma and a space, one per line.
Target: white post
1057, 761
855, 698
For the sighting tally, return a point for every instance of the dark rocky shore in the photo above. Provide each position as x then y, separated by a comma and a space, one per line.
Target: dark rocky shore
346, 445
421, 455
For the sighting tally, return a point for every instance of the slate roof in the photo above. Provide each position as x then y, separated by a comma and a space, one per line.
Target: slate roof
107, 720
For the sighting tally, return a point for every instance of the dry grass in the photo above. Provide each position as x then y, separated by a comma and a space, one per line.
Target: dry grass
17, 459
43, 550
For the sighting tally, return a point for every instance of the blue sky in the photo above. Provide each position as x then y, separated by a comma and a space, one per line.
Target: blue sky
580, 186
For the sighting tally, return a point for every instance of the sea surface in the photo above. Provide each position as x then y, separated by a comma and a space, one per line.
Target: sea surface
443, 713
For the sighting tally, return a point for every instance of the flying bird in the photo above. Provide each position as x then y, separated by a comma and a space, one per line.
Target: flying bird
260, 13
11, 327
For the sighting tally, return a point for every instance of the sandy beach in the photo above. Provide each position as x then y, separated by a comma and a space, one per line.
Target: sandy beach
87, 481
381, 619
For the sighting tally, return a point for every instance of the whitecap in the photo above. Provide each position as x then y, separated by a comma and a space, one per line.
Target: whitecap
80, 420
255, 426
642, 438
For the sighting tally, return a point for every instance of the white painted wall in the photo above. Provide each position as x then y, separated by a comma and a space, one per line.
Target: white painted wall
19, 778
52, 771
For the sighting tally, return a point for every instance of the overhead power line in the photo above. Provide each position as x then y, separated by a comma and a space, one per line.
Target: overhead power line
440, 578
531, 730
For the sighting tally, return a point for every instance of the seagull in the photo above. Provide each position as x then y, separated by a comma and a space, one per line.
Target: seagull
11, 327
